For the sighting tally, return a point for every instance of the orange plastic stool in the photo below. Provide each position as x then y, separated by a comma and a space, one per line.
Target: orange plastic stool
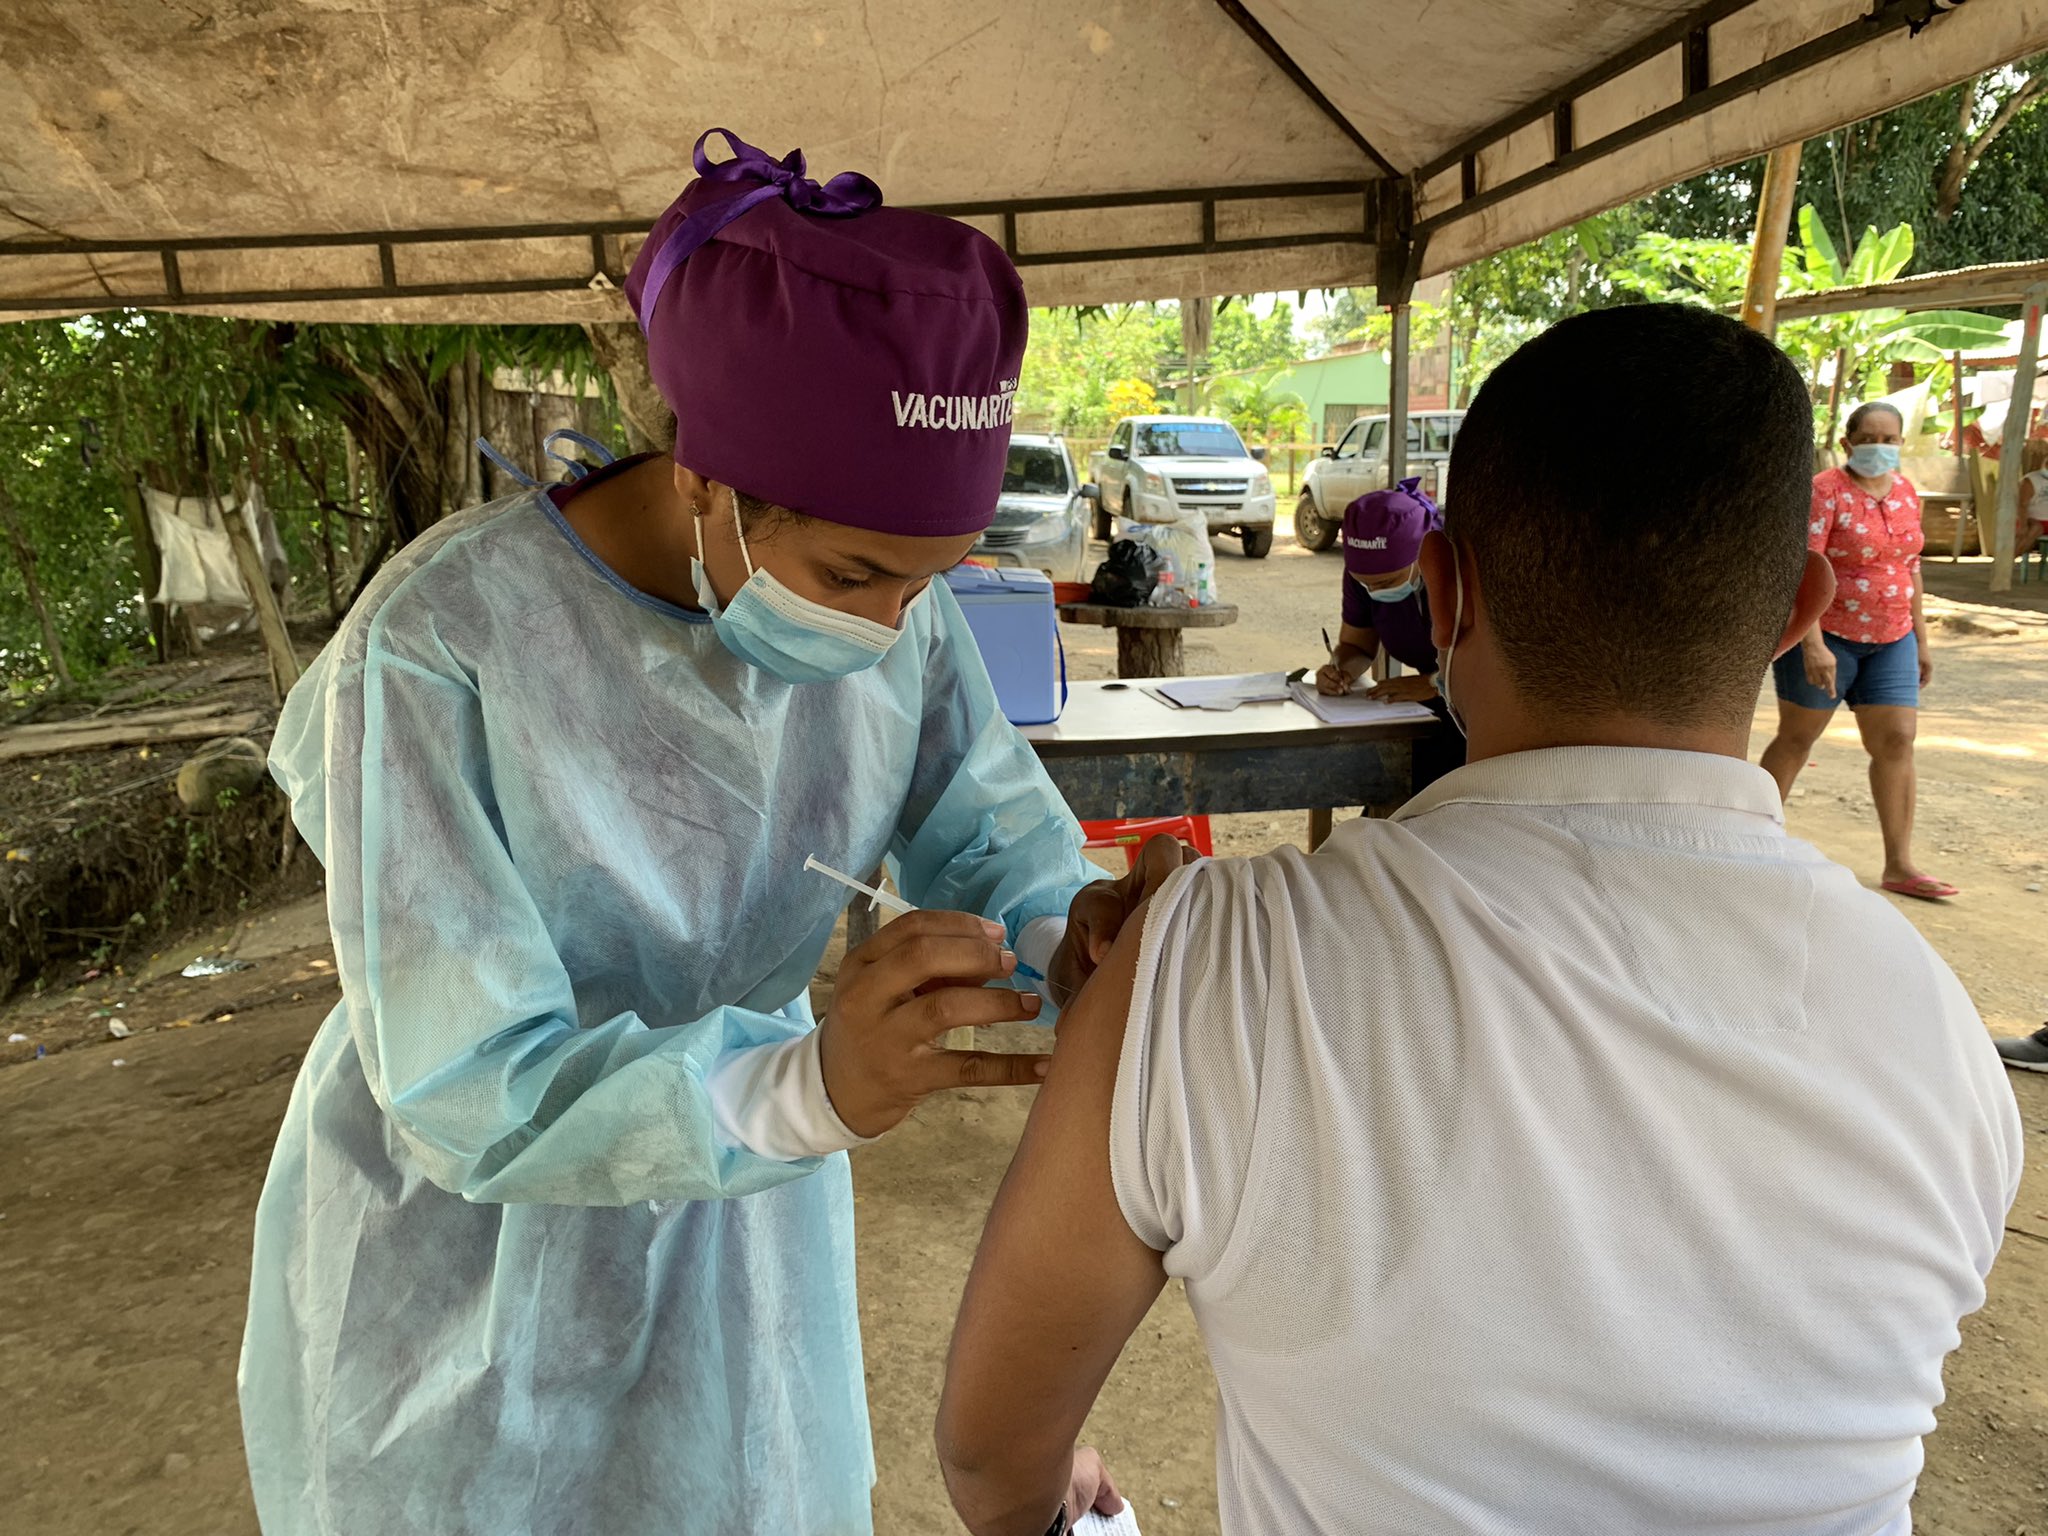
1132, 835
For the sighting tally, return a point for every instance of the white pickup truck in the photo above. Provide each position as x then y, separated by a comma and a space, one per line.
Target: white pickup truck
1157, 468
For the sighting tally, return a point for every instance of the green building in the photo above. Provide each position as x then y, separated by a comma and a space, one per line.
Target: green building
1346, 384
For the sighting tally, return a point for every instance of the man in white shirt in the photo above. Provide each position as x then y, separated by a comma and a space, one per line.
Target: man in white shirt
1572, 1151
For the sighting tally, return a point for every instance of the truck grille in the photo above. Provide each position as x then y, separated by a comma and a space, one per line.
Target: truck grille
1210, 487
1003, 538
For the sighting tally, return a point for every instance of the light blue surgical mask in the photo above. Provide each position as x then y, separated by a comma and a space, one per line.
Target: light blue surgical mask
1873, 459
786, 635
1393, 594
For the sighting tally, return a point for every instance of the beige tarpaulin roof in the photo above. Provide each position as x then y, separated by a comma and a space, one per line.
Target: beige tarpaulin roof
371, 159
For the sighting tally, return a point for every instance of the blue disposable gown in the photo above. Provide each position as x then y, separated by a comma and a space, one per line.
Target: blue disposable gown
504, 1280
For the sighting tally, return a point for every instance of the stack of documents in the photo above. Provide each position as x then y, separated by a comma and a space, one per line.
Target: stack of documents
1355, 708
1224, 693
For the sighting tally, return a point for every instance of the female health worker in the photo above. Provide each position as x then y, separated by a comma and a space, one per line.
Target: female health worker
1384, 604
558, 1234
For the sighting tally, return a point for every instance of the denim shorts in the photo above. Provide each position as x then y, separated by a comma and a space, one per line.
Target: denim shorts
1886, 673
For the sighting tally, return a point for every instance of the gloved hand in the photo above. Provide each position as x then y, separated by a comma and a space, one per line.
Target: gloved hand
1097, 915
920, 976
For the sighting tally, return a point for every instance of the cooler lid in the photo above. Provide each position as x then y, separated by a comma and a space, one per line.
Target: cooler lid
994, 581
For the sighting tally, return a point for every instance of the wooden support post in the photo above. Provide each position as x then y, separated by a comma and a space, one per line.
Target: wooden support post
1319, 822
1767, 250
1956, 400
1397, 395
2019, 414
1835, 397
277, 640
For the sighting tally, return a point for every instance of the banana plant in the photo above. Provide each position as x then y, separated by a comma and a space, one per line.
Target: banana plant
1863, 340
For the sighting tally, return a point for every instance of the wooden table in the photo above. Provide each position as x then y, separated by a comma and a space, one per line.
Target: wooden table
1116, 751
1148, 640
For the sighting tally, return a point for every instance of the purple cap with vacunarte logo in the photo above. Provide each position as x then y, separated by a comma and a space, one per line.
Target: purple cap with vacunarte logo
824, 353
1383, 529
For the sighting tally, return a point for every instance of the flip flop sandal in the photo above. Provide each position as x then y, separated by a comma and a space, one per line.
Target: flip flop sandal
1926, 888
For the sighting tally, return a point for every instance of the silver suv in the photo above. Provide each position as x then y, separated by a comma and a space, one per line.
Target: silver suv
1041, 521
1359, 464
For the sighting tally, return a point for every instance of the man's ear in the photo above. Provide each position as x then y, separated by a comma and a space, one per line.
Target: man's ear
1816, 591
1440, 560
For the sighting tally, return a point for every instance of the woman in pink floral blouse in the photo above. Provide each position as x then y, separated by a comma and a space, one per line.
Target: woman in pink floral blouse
1869, 649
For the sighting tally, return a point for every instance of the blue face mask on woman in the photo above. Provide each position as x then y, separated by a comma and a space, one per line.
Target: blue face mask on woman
1393, 594
1873, 459
786, 635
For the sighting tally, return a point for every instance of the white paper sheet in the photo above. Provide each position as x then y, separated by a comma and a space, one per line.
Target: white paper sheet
1354, 708
1225, 693
1123, 1524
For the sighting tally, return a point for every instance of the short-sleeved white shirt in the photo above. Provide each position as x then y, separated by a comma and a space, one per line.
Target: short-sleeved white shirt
1572, 1152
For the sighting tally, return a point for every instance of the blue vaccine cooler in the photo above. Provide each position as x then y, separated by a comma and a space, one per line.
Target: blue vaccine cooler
1011, 615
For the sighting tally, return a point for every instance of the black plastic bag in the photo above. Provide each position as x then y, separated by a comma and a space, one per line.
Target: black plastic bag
1127, 578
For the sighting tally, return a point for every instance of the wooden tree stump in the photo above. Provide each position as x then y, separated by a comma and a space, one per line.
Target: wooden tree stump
1148, 640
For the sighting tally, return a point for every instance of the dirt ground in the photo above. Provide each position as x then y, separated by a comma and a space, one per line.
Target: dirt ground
129, 1167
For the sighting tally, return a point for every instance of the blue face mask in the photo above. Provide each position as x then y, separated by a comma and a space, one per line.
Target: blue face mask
788, 636
1873, 459
1393, 594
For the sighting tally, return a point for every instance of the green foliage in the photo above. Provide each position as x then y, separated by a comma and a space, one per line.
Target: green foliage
1345, 318
1888, 171
57, 478
1502, 301
1076, 355
1260, 410
1242, 340
191, 403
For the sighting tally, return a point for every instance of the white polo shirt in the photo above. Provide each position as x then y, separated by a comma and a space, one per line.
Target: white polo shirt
1573, 1152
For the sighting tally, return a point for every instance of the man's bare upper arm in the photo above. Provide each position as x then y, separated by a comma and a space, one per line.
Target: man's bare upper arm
1060, 1280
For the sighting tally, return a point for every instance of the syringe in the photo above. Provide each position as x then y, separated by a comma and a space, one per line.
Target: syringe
875, 898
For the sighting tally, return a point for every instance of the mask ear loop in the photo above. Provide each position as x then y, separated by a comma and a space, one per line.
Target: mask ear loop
1457, 619
697, 530
740, 532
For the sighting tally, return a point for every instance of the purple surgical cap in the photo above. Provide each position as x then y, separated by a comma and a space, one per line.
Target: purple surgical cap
824, 353
1383, 529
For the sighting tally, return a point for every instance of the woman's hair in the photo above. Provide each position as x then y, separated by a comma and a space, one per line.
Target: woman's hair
1856, 416
2034, 455
764, 519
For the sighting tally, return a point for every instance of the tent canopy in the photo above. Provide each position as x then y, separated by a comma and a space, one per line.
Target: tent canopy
498, 160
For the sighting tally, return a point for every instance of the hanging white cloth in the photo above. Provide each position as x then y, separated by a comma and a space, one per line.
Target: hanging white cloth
198, 560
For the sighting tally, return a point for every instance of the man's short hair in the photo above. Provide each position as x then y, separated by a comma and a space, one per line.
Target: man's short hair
1634, 487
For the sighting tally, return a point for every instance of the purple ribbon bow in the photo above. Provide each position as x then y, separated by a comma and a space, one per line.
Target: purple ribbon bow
1412, 489
845, 194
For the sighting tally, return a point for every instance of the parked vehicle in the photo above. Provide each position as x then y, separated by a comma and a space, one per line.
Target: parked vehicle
1157, 469
1041, 518
1358, 464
